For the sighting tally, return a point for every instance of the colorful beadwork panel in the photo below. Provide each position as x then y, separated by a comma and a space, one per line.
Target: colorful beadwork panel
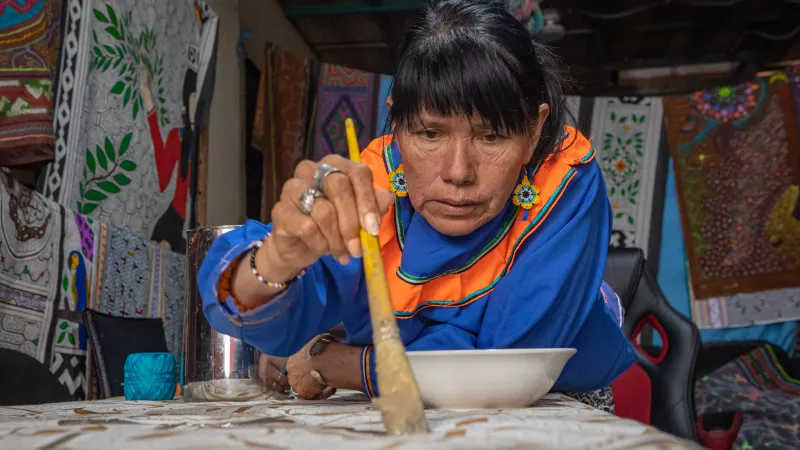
736, 152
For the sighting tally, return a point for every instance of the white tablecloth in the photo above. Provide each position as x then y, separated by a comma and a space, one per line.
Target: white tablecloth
346, 421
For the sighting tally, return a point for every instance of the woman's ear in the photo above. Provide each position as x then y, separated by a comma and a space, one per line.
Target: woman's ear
544, 113
389, 102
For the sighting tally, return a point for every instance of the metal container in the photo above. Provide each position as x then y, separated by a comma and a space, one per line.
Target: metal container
216, 367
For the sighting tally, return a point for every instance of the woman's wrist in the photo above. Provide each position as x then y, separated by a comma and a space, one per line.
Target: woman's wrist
271, 266
248, 290
340, 366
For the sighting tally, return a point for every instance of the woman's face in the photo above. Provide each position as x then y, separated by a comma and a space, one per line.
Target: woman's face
460, 174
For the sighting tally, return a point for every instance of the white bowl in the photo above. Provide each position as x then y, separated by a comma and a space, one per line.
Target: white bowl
487, 379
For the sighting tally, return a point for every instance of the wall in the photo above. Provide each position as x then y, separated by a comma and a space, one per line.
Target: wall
225, 202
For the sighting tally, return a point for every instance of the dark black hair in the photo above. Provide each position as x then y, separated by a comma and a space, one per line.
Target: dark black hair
472, 56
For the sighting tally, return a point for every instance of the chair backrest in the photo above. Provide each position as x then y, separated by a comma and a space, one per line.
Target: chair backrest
26, 381
113, 339
671, 371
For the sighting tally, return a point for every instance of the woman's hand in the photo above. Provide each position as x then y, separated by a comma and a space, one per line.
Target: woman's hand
298, 240
272, 371
298, 370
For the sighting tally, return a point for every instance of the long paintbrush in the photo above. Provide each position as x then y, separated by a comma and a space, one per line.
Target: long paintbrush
400, 402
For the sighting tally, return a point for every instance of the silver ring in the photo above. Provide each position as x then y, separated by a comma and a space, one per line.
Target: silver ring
292, 391
323, 170
307, 200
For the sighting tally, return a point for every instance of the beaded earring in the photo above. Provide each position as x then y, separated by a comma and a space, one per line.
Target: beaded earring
397, 182
526, 195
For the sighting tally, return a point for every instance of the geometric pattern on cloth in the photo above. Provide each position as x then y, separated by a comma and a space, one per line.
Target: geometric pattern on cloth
54, 263
130, 95
602, 399
626, 132
43, 283
758, 386
29, 41
343, 93
137, 279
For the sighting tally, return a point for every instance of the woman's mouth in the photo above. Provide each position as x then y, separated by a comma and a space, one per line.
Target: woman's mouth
454, 207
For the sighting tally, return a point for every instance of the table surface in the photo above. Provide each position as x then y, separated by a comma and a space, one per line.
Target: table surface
346, 421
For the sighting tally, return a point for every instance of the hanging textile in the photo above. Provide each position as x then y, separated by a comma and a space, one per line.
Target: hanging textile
135, 89
279, 129
343, 93
29, 42
54, 263
736, 151
135, 279
627, 134
769, 316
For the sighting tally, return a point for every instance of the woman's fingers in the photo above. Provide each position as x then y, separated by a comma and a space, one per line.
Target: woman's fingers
271, 374
360, 180
320, 229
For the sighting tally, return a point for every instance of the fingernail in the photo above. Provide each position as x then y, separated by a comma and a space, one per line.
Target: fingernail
371, 224
343, 260
354, 247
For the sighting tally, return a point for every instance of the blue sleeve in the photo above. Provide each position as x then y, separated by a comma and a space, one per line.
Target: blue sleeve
551, 296
282, 326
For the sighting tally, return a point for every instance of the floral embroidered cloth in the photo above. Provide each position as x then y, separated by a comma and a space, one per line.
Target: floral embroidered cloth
346, 421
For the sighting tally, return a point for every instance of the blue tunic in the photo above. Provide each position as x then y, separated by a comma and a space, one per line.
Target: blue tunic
448, 292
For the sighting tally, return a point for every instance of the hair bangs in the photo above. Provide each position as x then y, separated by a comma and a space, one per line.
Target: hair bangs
459, 79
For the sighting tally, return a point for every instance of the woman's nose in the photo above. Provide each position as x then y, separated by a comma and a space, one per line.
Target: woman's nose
457, 168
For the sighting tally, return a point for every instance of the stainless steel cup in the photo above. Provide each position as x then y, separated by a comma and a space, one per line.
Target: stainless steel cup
216, 367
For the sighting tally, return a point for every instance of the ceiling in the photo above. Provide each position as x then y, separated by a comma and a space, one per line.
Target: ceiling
603, 40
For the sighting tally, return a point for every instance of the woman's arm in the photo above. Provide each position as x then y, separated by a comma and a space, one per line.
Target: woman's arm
279, 325
551, 296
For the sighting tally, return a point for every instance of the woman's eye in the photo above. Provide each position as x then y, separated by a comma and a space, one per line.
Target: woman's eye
492, 138
430, 134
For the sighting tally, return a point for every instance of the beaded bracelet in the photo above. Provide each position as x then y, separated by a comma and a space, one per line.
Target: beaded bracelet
254, 270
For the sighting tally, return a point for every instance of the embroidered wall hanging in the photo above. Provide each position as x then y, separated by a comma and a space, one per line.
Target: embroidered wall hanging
29, 41
342, 93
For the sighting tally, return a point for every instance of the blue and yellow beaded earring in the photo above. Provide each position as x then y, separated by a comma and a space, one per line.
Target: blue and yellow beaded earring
397, 182
526, 195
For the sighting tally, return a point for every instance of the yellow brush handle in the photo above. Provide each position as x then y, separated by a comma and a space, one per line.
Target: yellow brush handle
400, 401
373, 261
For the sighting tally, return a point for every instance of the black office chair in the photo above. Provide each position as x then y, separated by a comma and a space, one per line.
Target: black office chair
112, 339
669, 367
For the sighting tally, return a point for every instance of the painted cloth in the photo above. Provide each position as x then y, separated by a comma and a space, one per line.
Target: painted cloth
135, 88
343, 92
739, 313
736, 151
526, 279
757, 385
45, 265
29, 42
54, 263
630, 132
346, 421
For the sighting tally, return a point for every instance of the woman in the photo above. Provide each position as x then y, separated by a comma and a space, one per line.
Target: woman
491, 214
